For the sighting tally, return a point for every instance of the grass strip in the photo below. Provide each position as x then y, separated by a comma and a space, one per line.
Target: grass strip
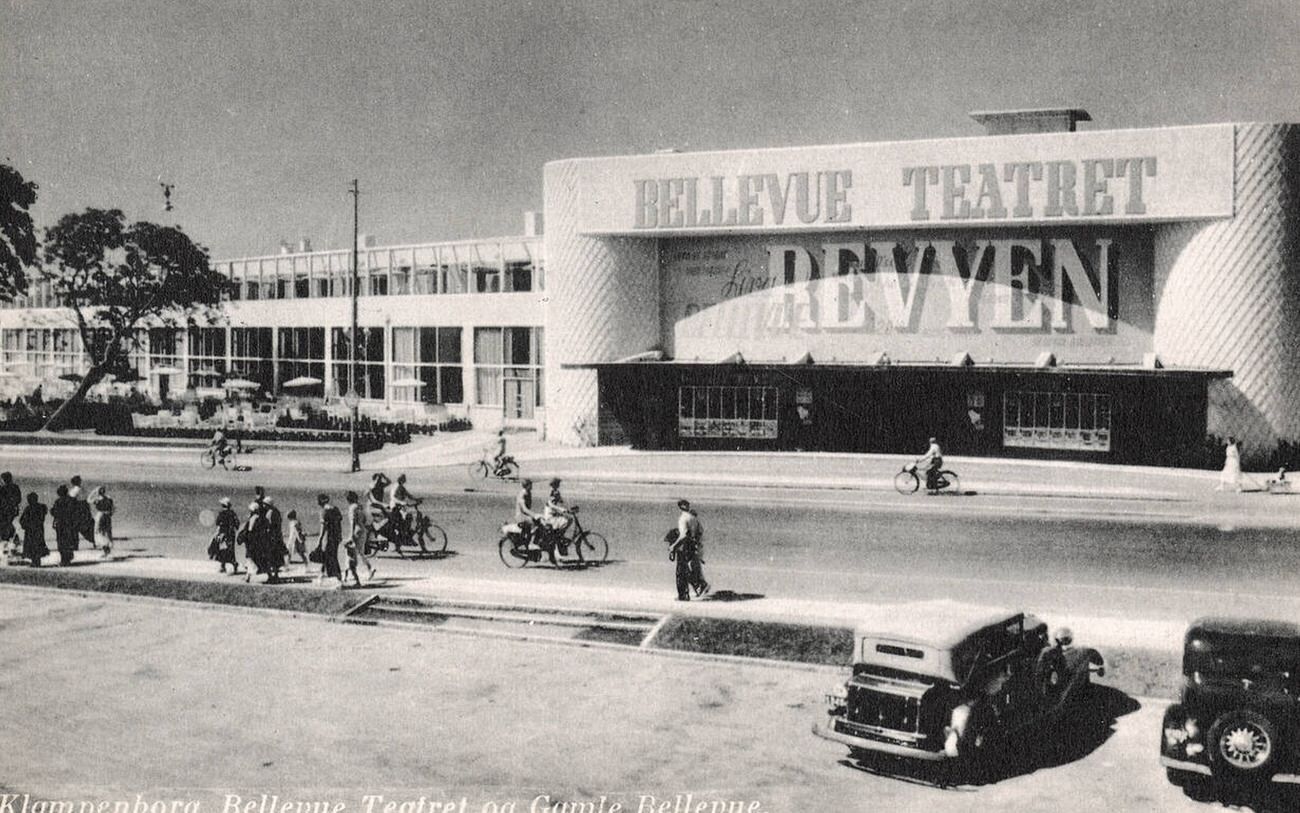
757, 639
237, 594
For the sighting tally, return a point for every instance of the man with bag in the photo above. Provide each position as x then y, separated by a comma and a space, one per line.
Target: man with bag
686, 549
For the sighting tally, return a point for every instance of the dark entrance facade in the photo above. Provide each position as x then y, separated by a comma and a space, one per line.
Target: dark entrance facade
1116, 415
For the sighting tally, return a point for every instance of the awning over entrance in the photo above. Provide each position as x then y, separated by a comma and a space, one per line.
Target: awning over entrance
962, 363
1144, 413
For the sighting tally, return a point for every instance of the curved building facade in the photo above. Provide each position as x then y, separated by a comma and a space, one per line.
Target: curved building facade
1101, 294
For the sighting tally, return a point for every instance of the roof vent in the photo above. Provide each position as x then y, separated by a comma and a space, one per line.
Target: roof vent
1034, 120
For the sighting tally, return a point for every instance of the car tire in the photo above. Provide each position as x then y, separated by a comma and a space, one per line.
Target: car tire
1242, 744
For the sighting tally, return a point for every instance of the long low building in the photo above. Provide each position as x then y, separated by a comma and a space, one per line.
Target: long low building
1042, 290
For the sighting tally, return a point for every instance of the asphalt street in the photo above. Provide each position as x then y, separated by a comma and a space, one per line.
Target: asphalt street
1057, 558
106, 699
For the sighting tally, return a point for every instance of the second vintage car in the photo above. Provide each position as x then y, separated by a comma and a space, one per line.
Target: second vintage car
1238, 719
943, 680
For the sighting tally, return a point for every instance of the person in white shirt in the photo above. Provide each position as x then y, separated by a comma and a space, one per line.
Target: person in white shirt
932, 460
688, 552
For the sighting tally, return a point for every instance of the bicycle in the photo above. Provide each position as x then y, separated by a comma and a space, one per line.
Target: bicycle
505, 469
908, 481
576, 544
424, 532
209, 459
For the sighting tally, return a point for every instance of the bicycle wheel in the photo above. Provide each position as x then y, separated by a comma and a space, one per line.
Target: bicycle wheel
511, 556
228, 462
592, 547
509, 470
432, 538
479, 470
208, 459
948, 480
906, 482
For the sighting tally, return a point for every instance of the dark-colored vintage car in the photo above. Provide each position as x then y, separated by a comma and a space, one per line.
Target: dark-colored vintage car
943, 680
1238, 719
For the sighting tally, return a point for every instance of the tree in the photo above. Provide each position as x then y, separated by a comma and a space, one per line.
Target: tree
17, 234
118, 279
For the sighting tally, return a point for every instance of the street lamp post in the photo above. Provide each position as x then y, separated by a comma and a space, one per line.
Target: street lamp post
353, 399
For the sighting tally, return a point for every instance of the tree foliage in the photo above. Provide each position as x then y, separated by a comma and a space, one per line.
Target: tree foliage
17, 233
117, 280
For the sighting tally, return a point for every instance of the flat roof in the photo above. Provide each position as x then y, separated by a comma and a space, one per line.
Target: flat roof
941, 624
918, 366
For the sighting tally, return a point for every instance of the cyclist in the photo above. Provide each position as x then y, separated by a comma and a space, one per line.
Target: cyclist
399, 501
219, 446
377, 503
556, 517
933, 461
499, 459
529, 521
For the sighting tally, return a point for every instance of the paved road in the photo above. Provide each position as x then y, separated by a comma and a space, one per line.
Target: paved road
105, 699
1051, 556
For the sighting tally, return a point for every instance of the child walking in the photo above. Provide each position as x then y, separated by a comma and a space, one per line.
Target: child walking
297, 538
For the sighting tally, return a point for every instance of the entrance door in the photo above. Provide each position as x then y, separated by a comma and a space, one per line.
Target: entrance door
520, 399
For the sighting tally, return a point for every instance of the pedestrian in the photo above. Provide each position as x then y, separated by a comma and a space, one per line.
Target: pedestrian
297, 539
358, 534
222, 547
33, 525
252, 535
102, 506
11, 502
688, 551
275, 551
331, 536
1230, 477
65, 516
85, 525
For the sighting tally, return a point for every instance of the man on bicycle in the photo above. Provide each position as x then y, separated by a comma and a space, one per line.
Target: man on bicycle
933, 461
557, 517
377, 502
219, 446
529, 521
499, 459
400, 501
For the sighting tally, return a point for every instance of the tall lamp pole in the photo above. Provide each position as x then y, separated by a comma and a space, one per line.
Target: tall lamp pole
353, 399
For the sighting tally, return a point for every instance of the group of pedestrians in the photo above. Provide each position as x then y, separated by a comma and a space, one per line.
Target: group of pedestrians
270, 541
75, 515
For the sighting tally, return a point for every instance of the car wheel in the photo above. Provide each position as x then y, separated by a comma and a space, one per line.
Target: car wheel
1242, 743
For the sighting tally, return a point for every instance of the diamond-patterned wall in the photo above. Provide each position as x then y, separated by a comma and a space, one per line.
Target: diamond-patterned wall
603, 304
1226, 293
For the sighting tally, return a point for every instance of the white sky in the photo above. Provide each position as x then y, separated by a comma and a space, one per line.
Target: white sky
261, 113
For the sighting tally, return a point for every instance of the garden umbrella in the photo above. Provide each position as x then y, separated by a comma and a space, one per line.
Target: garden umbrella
302, 381
241, 384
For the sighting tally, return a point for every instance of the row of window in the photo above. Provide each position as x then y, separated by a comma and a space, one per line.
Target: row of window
500, 267
426, 364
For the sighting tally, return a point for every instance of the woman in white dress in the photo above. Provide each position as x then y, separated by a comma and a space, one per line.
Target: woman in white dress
1230, 478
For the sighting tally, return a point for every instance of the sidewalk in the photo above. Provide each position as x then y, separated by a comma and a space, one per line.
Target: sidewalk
1101, 632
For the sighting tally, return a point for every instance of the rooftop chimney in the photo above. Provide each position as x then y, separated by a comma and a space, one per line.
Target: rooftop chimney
532, 224
1035, 120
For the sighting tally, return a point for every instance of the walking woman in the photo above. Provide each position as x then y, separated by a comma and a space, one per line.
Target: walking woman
331, 536
32, 522
66, 518
102, 506
222, 548
1230, 477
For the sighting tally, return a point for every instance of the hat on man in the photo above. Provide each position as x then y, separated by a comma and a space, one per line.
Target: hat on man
225, 501
555, 482
526, 483
685, 505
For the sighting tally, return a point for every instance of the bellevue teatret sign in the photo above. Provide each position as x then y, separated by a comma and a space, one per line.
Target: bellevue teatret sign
1099, 176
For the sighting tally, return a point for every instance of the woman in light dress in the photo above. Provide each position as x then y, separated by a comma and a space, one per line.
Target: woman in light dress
1230, 478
